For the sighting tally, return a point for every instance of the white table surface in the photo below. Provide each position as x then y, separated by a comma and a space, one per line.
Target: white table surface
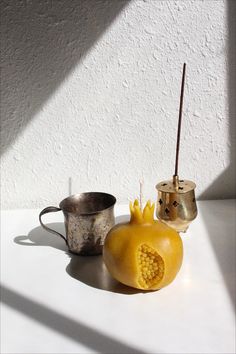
55, 302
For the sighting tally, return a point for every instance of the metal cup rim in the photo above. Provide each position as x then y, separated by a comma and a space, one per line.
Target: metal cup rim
78, 195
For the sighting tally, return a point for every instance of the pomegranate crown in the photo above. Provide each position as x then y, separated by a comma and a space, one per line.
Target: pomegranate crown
139, 216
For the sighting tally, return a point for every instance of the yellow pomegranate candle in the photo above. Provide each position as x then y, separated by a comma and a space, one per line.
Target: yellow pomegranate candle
143, 253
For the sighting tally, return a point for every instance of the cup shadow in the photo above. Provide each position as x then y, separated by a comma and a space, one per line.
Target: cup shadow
40, 237
89, 270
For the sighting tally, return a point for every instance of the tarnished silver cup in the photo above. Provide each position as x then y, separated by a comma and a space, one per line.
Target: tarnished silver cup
88, 218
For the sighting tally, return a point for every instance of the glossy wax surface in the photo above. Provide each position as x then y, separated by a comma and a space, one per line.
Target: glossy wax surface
143, 253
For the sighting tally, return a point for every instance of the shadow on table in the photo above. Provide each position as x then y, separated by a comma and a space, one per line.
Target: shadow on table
77, 331
89, 270
40, 237
223, 244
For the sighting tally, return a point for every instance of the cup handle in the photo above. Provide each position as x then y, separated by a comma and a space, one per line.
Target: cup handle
49, 210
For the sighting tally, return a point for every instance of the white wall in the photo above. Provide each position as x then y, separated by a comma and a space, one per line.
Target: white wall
90, 92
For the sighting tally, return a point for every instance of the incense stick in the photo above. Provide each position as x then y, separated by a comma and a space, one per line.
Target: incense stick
180, 121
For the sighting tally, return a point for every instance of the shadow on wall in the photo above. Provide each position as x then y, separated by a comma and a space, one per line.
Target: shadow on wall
41, 43
224, 244
228, 177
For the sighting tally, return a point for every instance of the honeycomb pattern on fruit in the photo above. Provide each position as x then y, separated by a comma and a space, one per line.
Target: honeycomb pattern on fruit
151, 266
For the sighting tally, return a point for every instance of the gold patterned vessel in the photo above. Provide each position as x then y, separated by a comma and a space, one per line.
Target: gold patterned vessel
176, 203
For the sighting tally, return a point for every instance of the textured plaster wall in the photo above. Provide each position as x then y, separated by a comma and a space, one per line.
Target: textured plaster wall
90, 96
